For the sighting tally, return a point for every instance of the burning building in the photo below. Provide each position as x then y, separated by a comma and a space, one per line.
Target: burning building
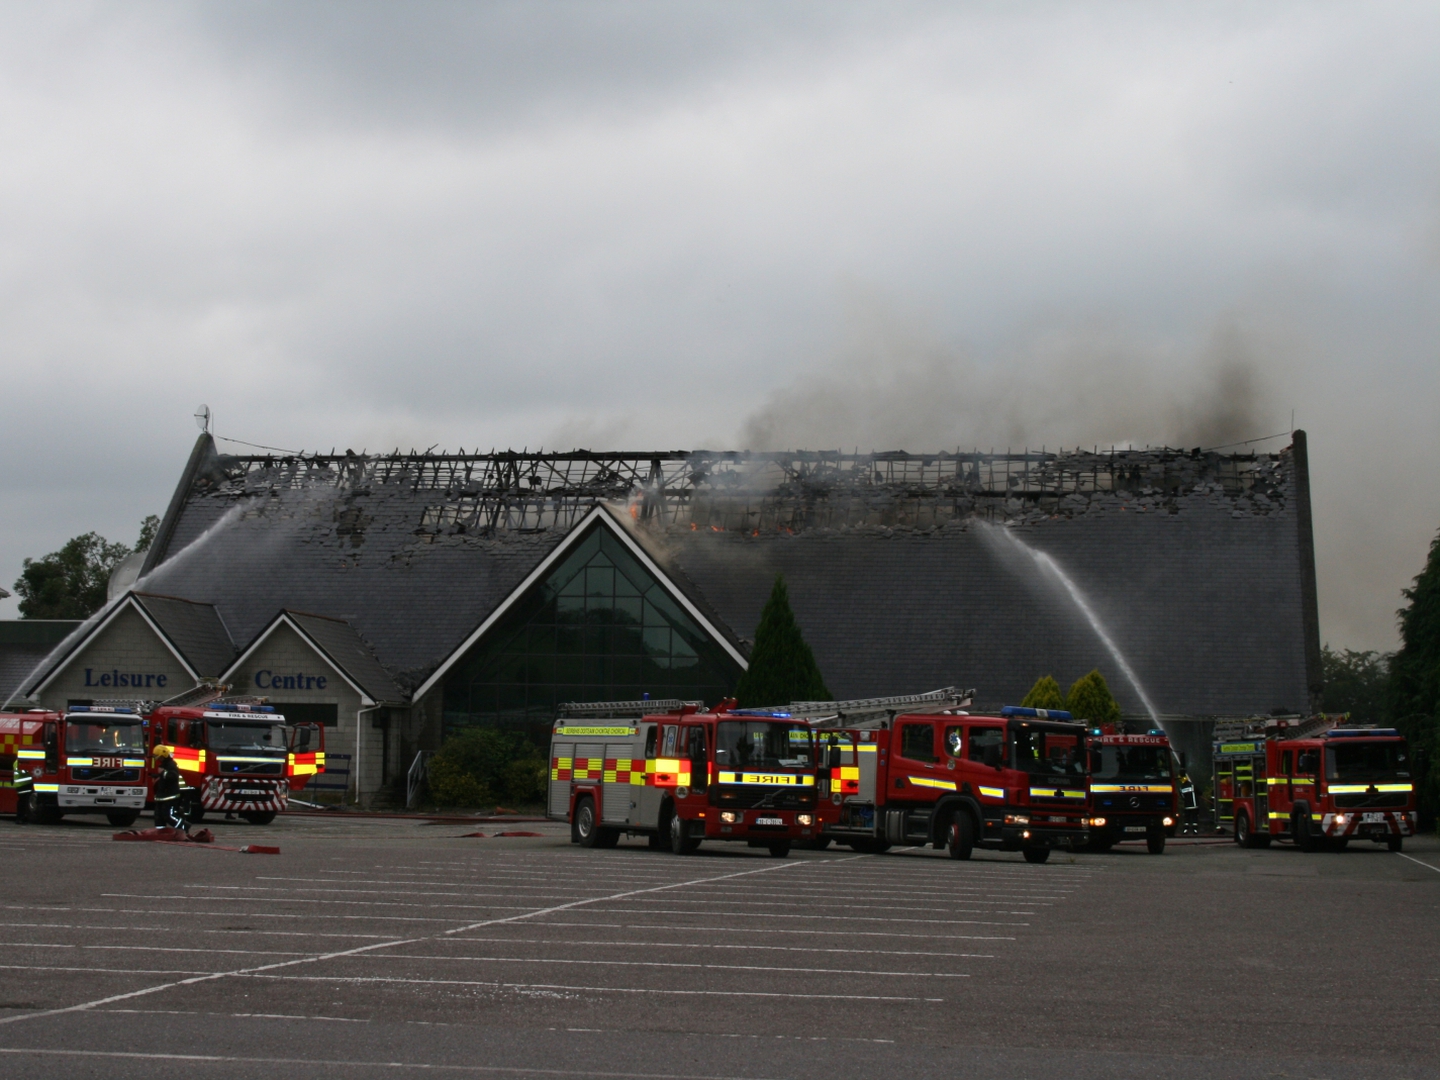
399, 596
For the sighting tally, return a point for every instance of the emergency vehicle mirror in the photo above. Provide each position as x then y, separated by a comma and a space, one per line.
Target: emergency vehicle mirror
991, 755
1307, 763
832, 758
1184, 760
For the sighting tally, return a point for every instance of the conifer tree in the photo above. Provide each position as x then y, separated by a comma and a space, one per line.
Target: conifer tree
1045, 694
1415, 678
1090, 699
782, 667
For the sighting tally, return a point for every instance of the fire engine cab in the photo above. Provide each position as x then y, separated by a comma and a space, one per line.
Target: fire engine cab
1133, 793
238, 758
1013, 782
90, 760
683, 775
1313, 782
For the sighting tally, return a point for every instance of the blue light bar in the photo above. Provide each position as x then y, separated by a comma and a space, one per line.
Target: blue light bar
100, 709
770, 714
239, 708
1041, 714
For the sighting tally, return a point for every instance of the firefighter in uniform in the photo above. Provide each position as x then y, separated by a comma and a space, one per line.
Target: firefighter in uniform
24, 789
167, 790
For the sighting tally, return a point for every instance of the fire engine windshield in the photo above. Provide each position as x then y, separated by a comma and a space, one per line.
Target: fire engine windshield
104, 737
1364, 762
763, 744
1130, 762
248, 738
1048, 753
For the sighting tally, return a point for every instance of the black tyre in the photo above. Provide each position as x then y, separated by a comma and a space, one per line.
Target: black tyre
45, 815
960, 836
780, 850
259, 817
1036, 854
587, 830
1155, 842
1304, 834
1395, 843
1242, 829
680, 841
122, 818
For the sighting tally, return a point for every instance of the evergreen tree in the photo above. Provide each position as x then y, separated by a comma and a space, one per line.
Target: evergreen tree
1357, 683
1090, 699
70, 583
1045, 694
1415, 677
782, 667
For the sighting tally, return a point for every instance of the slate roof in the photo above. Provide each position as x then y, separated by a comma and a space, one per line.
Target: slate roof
24, 643
346, 649
905, 571
196, 630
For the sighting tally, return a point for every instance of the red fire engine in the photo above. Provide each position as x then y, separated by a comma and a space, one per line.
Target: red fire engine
91, 760
238, 758
1133, 793
1016, 782
683, 775
1314, 783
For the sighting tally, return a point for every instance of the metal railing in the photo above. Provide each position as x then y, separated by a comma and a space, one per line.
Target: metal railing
419, 771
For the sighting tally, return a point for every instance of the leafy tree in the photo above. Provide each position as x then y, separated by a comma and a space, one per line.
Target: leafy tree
1414, 696
1357, 683
70, 583
1090, 699
782, 667
482, 765
148, 528
1045, 694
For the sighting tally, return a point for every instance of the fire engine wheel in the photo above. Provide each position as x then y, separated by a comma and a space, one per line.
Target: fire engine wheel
1036, 854
1395, 843
121, 818
45, 815
259, 817
1304, 834
1245, 836
587, 831
960, 836
1155, 843
780, 850
681, 843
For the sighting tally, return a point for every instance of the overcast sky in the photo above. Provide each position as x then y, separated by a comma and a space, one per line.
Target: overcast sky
772, 225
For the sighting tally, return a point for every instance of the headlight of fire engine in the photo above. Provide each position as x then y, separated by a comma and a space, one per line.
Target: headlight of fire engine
1099, 822
1017, 819
804, 819
730, 817
1169, 821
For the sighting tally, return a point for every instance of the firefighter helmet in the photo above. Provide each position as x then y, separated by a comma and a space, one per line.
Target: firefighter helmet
163, 751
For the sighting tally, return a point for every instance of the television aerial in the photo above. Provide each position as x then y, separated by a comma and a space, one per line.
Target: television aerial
202, 418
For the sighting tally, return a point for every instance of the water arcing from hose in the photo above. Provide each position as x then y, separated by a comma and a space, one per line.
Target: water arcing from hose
1050, 567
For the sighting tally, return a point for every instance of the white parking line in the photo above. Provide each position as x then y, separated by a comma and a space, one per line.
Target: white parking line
1425, 864
503, 1070
378, 945
753, 930
585, 989
845, 918
565, 942
665, 964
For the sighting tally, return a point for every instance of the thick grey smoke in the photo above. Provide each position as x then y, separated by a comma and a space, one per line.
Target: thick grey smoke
893, 385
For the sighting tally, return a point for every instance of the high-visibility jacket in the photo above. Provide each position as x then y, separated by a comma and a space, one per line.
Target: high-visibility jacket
167, 784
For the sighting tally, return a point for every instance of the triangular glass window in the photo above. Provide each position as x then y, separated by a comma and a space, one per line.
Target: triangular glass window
598, 628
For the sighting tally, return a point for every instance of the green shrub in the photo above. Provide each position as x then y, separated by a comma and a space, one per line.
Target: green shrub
1090, 699
481, 766
1045, 694
782, 666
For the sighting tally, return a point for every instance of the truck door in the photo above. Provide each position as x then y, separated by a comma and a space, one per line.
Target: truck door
1281, 796
916, 774
562, 761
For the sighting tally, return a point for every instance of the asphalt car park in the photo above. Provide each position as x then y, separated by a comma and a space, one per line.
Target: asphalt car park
374, 946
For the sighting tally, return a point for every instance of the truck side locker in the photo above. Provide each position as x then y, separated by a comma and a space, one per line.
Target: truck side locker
562, 761
615, 799
648, 811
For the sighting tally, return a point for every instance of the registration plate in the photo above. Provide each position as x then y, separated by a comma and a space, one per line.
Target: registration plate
1134, 828
1372, 817
1059, 819
769, 821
